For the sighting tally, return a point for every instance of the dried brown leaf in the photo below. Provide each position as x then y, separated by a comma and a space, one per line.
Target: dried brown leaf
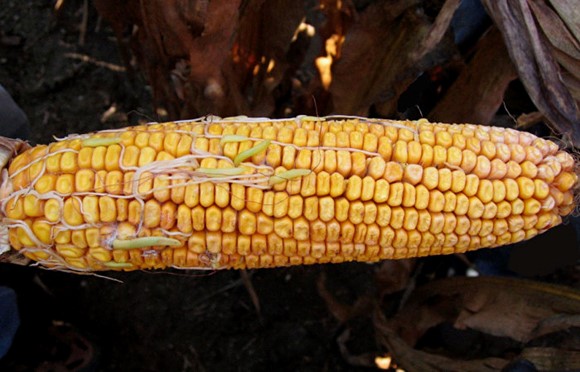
438, 29
537, 66
570, 14
497, 306
478, 92
377, 62
553, 359
413, 360
260, 51
554, 28
394, 275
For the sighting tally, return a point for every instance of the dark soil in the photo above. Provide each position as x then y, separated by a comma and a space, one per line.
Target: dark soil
154, 321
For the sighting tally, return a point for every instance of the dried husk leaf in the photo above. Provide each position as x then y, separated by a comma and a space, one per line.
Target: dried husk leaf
536, 64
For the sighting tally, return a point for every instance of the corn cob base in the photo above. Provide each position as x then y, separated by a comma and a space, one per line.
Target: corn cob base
243, 192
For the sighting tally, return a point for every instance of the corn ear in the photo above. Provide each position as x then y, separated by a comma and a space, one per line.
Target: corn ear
237, 193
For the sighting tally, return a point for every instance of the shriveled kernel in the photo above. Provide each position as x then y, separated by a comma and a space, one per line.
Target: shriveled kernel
421, 197
413, 174
445, 179
468, 160
353, 188
485, 191
395, 194
499, 190
476, 208
322, 183
458, 180
430, 178
436, 201
368, 188
411, 219
471, 185
393, 172
409, 195
337, 185
482, 167
450, 201
397, 217
517, 206
311, 208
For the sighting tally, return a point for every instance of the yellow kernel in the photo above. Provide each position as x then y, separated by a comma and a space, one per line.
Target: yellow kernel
393, 172
413, 174
526, 187
114, 183
42, 230
15, 208
498, 169
72, 212
90, 208
68, 162
485, 191
395, 194
468, 160
353, 188
409, 195
65, 184
108, 209
436, 201
84, 157
381, 191
32, 206
541, 189
426, 155
311, 208
246, 222
198, 218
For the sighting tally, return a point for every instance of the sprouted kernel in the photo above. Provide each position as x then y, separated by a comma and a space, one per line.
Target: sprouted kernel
149, 241
229, 138
217, 172
118, 265
288, 175
104, 141
262, 146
